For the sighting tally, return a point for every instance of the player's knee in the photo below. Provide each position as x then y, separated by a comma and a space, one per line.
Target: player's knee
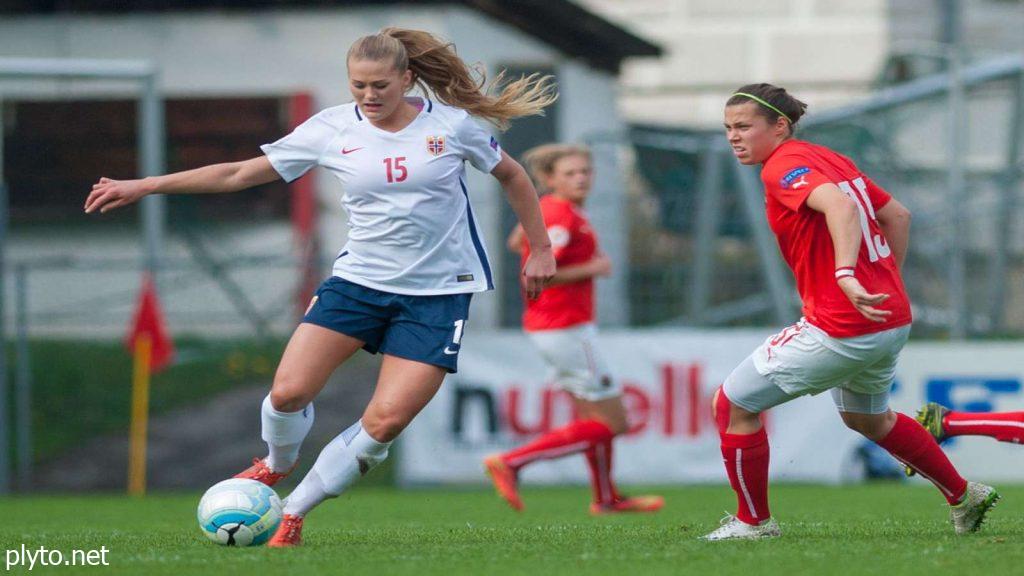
729, 416
615, 418
287, 395
384, 427
619, 427
746, 422
617, 424
872, 426
859, 425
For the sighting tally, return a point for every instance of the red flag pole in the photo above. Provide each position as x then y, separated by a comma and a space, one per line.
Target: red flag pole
140, 416
152, 350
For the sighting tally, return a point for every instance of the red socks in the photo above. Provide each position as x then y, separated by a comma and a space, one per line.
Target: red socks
590, 436
746, 462
911, 444
599, 459
1003, 426
746, 459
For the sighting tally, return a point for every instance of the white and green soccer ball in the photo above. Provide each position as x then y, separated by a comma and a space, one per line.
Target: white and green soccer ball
239, 512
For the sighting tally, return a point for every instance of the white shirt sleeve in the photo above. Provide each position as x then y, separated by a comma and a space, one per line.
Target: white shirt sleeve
293, 155
477, 145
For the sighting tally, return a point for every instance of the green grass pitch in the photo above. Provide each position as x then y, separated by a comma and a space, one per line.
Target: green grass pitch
886, 529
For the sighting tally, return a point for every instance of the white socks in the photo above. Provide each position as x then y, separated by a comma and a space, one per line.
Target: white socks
284, 432
350, 455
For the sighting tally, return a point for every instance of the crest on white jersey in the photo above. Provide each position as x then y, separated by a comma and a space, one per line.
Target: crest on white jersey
435, 145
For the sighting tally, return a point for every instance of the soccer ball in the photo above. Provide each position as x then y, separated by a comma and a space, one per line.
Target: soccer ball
239, 512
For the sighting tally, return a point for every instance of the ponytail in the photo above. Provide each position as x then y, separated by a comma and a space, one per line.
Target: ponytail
439, 70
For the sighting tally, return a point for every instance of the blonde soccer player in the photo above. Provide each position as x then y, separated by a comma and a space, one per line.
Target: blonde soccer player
402, 284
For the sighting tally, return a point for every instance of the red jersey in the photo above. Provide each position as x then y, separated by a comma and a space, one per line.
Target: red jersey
573, 242
790, 174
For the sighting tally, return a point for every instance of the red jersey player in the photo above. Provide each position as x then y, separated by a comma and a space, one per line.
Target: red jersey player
560, 322
845, 239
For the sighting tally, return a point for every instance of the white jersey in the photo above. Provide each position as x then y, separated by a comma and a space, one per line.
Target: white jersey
411, 228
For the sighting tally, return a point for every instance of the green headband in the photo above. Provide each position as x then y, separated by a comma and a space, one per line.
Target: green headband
760, 101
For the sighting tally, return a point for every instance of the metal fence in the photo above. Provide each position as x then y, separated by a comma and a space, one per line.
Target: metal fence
218, 309
948, 146
151, 161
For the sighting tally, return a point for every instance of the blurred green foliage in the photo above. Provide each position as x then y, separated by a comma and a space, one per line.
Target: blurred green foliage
82, 389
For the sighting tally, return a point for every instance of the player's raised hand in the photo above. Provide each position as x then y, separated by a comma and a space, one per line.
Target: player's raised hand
108, 194
538, 271
863, 301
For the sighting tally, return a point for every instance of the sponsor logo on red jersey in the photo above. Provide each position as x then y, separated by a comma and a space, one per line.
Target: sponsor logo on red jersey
790, 180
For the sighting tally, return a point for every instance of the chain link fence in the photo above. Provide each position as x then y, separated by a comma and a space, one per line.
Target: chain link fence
698, 249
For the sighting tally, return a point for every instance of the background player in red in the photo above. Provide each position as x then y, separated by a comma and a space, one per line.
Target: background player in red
845, 240
560, 322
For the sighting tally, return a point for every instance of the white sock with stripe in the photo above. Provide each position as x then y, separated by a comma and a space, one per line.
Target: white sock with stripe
344, 460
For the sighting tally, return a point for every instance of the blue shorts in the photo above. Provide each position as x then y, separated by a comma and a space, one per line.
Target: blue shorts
427, 329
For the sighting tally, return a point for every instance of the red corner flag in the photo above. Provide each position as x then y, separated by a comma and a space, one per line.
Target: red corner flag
149, 320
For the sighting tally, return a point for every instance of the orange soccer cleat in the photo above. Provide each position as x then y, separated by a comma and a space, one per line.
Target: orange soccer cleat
289, 533
505, 481
625, 504
260, 472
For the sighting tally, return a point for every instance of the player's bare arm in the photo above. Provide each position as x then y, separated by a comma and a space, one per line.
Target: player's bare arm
600, 265
522, 196
108, 194
842, 218
894, 219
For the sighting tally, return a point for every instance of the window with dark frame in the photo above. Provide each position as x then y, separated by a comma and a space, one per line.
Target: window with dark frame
55, 150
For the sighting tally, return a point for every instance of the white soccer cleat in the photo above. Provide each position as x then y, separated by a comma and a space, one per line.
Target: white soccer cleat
968, 515
733, 528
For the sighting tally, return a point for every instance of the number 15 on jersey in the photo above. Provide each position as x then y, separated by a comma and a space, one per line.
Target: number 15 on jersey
396, 170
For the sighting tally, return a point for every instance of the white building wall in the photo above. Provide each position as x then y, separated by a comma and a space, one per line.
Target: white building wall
988, 27
276, 53
826, 51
